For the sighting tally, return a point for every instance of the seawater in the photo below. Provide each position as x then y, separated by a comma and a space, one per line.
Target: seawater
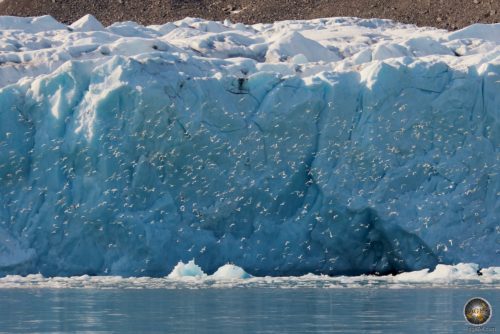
241, 310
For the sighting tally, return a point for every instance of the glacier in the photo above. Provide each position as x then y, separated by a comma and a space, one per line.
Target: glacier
338, 146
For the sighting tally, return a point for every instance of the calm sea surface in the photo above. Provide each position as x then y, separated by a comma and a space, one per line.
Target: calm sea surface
241, 310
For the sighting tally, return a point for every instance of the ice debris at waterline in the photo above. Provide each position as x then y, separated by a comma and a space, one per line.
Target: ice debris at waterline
463, 275
333, 146
189, 269
192, 270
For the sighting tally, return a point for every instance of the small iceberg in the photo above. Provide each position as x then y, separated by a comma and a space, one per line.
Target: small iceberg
230, 271
190, 269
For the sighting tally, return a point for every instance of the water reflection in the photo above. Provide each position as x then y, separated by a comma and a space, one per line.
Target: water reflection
250, 310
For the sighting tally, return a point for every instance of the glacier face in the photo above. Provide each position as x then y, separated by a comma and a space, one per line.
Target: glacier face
337, 146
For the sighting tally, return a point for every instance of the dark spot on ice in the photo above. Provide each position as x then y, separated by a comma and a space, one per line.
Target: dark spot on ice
241, 82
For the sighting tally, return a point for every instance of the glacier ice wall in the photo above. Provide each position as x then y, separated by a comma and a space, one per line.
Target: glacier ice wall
337, 146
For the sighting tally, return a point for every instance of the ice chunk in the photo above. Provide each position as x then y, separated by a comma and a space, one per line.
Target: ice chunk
230, 271
442, 273
189, 269
87, 23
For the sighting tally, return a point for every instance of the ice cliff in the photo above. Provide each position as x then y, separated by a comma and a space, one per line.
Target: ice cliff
336, 146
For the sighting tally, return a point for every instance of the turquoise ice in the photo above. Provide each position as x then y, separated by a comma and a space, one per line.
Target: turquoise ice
124, 150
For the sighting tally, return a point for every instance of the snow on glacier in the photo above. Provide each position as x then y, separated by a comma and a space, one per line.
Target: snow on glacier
332, 146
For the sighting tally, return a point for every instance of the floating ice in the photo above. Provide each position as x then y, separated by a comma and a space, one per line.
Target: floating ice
462, 277
330, 146
189, 269
230, 271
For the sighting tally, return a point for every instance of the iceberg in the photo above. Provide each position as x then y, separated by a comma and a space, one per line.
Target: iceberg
337, 146
190, 269
230, 272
